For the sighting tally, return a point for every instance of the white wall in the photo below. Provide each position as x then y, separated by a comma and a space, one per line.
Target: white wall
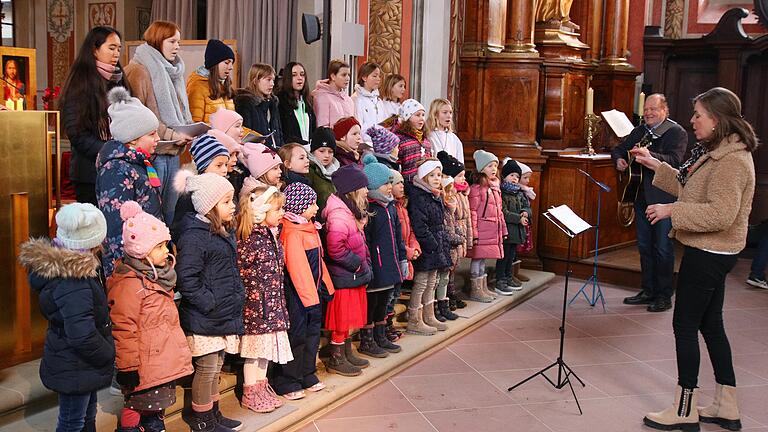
436, 40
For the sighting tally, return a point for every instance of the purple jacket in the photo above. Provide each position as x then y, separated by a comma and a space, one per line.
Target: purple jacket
348, 260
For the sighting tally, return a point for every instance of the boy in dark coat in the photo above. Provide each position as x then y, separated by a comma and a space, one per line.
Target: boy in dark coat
516, 211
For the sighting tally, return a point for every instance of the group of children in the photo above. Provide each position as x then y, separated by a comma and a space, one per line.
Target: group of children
254, 271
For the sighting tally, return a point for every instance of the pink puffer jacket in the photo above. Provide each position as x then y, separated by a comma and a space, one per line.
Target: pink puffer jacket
347, 258
488, 225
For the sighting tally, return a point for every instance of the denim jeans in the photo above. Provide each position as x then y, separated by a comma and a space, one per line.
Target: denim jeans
657, 254
167, 166
760, 261
699, 308
77, 413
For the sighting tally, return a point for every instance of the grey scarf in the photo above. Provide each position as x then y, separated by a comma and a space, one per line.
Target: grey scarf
327, 171
380, 198
168, 84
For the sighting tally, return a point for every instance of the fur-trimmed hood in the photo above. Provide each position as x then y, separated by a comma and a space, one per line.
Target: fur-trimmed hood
41, 257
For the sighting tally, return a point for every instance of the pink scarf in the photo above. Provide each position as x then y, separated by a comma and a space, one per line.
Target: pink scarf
109, 72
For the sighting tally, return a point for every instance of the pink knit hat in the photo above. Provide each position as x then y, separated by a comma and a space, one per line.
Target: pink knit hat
227, 141
259, 159
141, 231
223, 119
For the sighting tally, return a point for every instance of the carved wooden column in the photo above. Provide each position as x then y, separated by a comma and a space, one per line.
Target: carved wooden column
615, 29
520, 23
485, 25
589, 15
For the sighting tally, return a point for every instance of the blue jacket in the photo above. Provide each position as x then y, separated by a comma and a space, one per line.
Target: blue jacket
426, 212
385, 242
79, 353
212, 293
122, 176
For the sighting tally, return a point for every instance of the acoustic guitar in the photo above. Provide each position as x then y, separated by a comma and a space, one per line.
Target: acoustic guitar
630, 180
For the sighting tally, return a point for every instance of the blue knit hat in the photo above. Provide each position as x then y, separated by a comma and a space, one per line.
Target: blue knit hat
378, 174
204, 149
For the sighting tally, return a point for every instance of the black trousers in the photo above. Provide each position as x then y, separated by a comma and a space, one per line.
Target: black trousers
699, 308
504, 265
85, 193
304, 336
377, 305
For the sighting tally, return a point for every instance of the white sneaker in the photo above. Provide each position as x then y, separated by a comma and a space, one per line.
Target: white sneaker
757, 282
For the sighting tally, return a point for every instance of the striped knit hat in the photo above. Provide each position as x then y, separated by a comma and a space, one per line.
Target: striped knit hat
204, 149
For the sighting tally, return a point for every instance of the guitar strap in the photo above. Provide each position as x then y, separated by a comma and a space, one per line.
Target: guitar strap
661, 129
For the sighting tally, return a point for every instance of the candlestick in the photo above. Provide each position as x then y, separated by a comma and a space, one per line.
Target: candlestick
641, 104
10, 104
590, 123
590, 101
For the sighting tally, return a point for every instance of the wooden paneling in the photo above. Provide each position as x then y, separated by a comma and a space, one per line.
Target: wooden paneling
513, 94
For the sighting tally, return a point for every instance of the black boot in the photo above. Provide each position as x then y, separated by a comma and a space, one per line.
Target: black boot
438, 313
154, 422
119, 429
392, 333
445, 311
368, 345
203, 421
457, 301
380, 336
661, 304
351, 357
640, 298
224, 421
337, 363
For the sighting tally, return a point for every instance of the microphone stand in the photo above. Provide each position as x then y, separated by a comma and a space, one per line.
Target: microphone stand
21, 92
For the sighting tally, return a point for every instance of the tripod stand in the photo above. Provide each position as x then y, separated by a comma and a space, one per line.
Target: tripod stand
597, 292
564, 372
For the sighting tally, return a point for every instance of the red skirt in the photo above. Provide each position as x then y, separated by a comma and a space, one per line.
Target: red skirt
347, 310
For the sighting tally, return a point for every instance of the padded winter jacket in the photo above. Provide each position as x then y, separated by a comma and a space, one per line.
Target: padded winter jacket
260, 115
369, 109
307, 273
349, 261
488, 226
409, 238
385, 243
513, 205
428, 220
201, 106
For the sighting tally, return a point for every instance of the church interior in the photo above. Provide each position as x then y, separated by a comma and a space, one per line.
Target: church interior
557, 85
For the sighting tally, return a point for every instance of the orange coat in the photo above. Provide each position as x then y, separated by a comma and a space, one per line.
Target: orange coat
201, 106
146, 329
409, 238
304, 259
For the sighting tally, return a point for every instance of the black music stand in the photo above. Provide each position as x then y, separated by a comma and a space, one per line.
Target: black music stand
571, 227
597, 292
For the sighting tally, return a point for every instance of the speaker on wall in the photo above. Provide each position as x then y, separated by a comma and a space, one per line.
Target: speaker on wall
310, 28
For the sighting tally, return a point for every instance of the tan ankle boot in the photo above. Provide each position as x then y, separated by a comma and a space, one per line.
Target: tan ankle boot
484, 286
416, 324
724, 410
682, 415
476, 292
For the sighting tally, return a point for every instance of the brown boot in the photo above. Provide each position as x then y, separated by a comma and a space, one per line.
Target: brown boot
521, 277
484, 287
682, 415
724, 410
416, 324
476, 292
429, 311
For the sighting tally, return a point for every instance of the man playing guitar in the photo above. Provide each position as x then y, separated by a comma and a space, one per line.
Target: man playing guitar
668, 142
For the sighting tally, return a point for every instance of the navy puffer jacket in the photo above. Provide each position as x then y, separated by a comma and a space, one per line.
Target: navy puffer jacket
79, 352
385, 242
426, 212
212, 292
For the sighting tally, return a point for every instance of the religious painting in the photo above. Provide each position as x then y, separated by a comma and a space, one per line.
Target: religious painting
143, 19
102, 14
18, 77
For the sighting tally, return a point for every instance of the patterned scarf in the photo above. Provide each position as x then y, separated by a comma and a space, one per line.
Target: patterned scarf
510, 187
109, 72
685, 169
154, 179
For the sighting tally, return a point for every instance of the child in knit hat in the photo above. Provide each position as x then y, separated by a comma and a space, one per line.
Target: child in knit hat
264, 166
427, 215
454, 168
79, 354
295, 163
124, 170
530, 195
308, 284
412, 132
323, 164
388, 255
386, 146
457, 239
143, 313
348, 141
516, 213
211, 309
349, 264
231, 123
261, 264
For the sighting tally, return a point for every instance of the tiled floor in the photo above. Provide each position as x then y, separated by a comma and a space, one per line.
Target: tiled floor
625, 356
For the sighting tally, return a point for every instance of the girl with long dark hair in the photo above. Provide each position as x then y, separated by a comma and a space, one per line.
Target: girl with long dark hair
96, 70
297, 116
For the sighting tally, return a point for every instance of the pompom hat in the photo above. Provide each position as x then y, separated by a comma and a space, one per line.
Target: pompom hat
80, 226
451, 166
207, 190
141, 231
378, 174
298, 198
129, 119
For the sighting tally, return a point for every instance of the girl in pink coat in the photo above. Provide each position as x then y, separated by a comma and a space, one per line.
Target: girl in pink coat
488, 225
331, 101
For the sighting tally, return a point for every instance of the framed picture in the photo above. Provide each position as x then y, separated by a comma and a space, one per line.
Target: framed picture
19, 81
193, 53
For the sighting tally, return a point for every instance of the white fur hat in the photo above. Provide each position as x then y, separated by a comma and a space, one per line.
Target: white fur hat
80, 226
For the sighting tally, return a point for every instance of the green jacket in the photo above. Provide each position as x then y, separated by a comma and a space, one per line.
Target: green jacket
513, 204
321, 184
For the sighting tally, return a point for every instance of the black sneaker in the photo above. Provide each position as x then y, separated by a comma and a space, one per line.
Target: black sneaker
757, 282
504, 289
639, 299
660, 305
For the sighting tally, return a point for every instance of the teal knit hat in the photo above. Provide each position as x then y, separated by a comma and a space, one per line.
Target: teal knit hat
378, 174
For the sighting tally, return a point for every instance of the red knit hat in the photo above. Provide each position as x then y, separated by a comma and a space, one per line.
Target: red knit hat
342, 127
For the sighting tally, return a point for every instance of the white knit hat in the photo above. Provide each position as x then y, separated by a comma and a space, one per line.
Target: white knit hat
207, 190
129, 118
525, 168
409, 108
80, 226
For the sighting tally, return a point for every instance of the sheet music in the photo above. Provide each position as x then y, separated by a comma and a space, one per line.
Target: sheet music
571, 220
618, 121
253, 138
193, 130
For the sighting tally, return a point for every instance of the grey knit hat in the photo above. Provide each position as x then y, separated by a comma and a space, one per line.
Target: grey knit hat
129, 118
207, 190
80, 226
